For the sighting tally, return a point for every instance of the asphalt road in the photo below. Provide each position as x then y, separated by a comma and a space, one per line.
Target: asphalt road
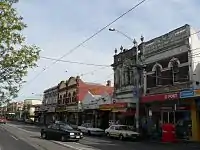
104, 143
11, 142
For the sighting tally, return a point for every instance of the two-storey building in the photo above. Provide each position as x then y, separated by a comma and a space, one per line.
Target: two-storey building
172, 65
49, 103
71, 94
128, 82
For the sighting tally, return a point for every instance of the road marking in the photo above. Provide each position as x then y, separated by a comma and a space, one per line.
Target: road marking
80, 147
14, 138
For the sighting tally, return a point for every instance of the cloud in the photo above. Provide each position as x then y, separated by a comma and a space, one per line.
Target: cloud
58, 26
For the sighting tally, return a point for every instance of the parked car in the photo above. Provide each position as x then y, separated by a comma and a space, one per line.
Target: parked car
88, 129
122, 132
3, 120
62, 132
29, 121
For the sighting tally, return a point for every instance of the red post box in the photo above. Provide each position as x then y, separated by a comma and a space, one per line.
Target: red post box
168, 133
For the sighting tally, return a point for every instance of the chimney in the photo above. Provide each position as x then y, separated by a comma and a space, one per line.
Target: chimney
108, 83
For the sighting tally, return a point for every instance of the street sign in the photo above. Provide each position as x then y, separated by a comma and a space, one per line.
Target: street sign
187, 93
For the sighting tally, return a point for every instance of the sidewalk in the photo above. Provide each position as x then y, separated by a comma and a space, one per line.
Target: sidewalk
186, 143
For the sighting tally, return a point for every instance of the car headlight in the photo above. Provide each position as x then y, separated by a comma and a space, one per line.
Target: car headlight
81, 133
71, 133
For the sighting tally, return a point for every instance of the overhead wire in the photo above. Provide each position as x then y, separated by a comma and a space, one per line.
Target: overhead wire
75, 62
86, 40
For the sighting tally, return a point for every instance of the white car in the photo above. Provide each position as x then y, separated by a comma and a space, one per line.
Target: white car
88, 129
122, 132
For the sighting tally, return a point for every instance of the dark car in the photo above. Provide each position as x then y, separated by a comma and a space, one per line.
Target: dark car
62, 132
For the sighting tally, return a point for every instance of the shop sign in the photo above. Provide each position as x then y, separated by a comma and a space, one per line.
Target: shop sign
171, 96
197, 92
113, 106
72, 108
186, 94
159, 97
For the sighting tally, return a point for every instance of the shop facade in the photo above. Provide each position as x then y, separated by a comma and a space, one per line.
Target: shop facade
173, 108
119, 112
193, 96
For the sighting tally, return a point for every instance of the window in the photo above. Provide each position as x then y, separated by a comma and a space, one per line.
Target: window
175, 70
112, 128
69, 96
55, 126
65, 127
158, 78
74, 97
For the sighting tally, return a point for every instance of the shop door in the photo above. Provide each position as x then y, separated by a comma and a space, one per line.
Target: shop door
168, 117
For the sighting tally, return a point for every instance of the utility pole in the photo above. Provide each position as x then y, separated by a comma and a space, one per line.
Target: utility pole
138, 67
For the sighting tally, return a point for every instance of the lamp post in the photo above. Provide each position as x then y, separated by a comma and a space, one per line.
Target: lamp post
122, 33
138, 67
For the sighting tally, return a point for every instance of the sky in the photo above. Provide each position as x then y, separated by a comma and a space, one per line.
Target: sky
57, 26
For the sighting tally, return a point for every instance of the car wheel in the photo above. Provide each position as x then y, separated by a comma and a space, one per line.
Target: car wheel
43, 135
76, 140
89, 133
63, 139
121, 137
108, 134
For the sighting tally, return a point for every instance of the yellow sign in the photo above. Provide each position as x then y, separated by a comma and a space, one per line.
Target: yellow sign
197, 93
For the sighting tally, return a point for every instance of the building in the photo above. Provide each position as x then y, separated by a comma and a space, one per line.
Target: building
126, 80
172, 66
49, 103
14, 110
29, 108
91, 104
70, 96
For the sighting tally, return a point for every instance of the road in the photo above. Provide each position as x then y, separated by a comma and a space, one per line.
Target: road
10, 142
31, 133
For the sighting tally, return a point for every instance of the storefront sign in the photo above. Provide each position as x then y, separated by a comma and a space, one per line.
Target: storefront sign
60, 109
171, 96
113, 106
72, 108
159, 97
187, 94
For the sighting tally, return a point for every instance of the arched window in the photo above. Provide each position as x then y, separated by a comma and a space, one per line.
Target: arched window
157, 69
175, 71
174, 66
74, 97
158, 74
69, 97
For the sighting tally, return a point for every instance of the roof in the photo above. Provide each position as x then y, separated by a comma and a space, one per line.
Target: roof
97, 96
51, 88
90, 83
93, 88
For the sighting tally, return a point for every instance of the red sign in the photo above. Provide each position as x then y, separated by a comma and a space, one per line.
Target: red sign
159, 97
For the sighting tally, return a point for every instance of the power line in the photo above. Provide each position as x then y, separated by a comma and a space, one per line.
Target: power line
88, 39
74, 62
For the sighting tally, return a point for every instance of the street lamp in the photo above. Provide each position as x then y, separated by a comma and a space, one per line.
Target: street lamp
120, 32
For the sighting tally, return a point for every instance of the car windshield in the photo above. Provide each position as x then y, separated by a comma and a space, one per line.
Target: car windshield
66, 127
124, 128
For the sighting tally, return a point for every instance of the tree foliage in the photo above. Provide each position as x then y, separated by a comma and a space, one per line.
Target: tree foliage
16, 57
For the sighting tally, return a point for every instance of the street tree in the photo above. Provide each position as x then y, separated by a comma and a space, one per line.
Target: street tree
16, 56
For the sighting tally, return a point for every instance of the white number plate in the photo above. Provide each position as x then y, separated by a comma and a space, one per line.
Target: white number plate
78, 137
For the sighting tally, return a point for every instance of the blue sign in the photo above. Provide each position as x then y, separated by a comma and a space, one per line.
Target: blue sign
186, 94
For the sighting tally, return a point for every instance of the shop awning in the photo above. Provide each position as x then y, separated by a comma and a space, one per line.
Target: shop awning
120, 110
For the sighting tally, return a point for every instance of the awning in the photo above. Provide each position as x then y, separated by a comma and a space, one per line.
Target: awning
120, 110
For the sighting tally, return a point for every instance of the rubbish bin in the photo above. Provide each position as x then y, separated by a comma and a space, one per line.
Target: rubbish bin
168, 133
